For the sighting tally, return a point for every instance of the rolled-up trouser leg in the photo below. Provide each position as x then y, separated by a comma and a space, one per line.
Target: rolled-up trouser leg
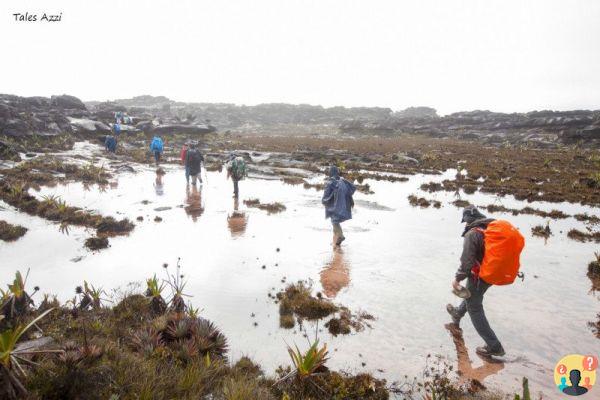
474, 305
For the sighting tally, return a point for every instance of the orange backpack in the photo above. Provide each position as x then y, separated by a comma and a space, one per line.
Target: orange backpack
503, 246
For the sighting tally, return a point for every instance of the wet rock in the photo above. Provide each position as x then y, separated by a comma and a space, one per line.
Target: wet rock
88, 126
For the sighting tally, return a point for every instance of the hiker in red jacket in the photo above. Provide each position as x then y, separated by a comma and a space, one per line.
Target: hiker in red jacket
184, 150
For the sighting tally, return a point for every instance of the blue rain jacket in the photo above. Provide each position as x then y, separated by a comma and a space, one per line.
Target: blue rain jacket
157, 144
337, 197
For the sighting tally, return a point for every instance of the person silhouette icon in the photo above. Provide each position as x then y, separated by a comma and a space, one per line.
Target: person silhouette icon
575, 389
563, 383
586, 383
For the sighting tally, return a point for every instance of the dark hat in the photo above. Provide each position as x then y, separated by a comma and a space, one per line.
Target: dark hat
470, 214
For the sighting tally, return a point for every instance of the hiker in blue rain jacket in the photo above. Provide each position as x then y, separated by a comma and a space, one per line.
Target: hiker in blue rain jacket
156, 147
338, 202
110, 144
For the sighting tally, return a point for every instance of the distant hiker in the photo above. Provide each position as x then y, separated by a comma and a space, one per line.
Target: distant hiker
338, 202
490, 256
117, 129
183, 153
236, 170
110, 144
193, 163
156, 147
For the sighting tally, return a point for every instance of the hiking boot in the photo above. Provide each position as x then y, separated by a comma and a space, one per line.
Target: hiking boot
340, 240
485, 351
454, 314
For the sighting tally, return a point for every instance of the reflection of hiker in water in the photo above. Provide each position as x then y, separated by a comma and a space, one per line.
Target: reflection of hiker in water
499, 267
336, 275
575, 389
237, 221
156, 147
338, 202
158, 185
193, 163
465, 365
193, 201
236, 170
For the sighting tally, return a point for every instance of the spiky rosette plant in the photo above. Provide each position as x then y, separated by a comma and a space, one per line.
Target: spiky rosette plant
177, 284
16, 302
194, 337
147, 341
154, 290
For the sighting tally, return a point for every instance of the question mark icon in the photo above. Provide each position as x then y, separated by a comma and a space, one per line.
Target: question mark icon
562, 369
590, 363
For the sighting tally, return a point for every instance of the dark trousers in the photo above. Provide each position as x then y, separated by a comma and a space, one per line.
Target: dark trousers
156, 156
236, 190
474, 306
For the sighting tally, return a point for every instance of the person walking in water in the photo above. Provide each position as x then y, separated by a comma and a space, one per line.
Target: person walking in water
490, 256
236, 170
156, 147
193, 163
338, 203
110, 144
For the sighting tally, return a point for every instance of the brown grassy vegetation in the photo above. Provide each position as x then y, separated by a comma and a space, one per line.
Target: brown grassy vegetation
9, 232
47, 170
271, 208
564, 174
422, 202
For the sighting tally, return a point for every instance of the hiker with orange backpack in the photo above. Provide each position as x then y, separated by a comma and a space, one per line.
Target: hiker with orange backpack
490, 256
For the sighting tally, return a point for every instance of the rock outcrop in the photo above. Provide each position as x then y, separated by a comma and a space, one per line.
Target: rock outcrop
542, 128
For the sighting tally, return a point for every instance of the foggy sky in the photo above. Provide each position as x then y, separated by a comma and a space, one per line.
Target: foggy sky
450, 55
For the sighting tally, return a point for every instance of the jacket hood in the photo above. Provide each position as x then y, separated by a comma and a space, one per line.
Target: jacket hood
334, 172
478, 223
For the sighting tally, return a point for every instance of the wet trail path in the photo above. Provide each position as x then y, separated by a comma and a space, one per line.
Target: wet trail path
397, 264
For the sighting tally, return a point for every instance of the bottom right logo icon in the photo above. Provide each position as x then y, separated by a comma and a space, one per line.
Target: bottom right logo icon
575, 374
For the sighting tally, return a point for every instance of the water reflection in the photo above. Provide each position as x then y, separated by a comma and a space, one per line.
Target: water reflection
466, 371
193, 200
237, 220
336, 274
158, 185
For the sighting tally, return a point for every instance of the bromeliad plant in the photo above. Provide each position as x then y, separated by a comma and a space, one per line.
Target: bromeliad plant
11, 360
154, 290
90, 296
177, 285
15, 302
310, 362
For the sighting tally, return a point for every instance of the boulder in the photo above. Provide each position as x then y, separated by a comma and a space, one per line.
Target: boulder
67, 102
88, 126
